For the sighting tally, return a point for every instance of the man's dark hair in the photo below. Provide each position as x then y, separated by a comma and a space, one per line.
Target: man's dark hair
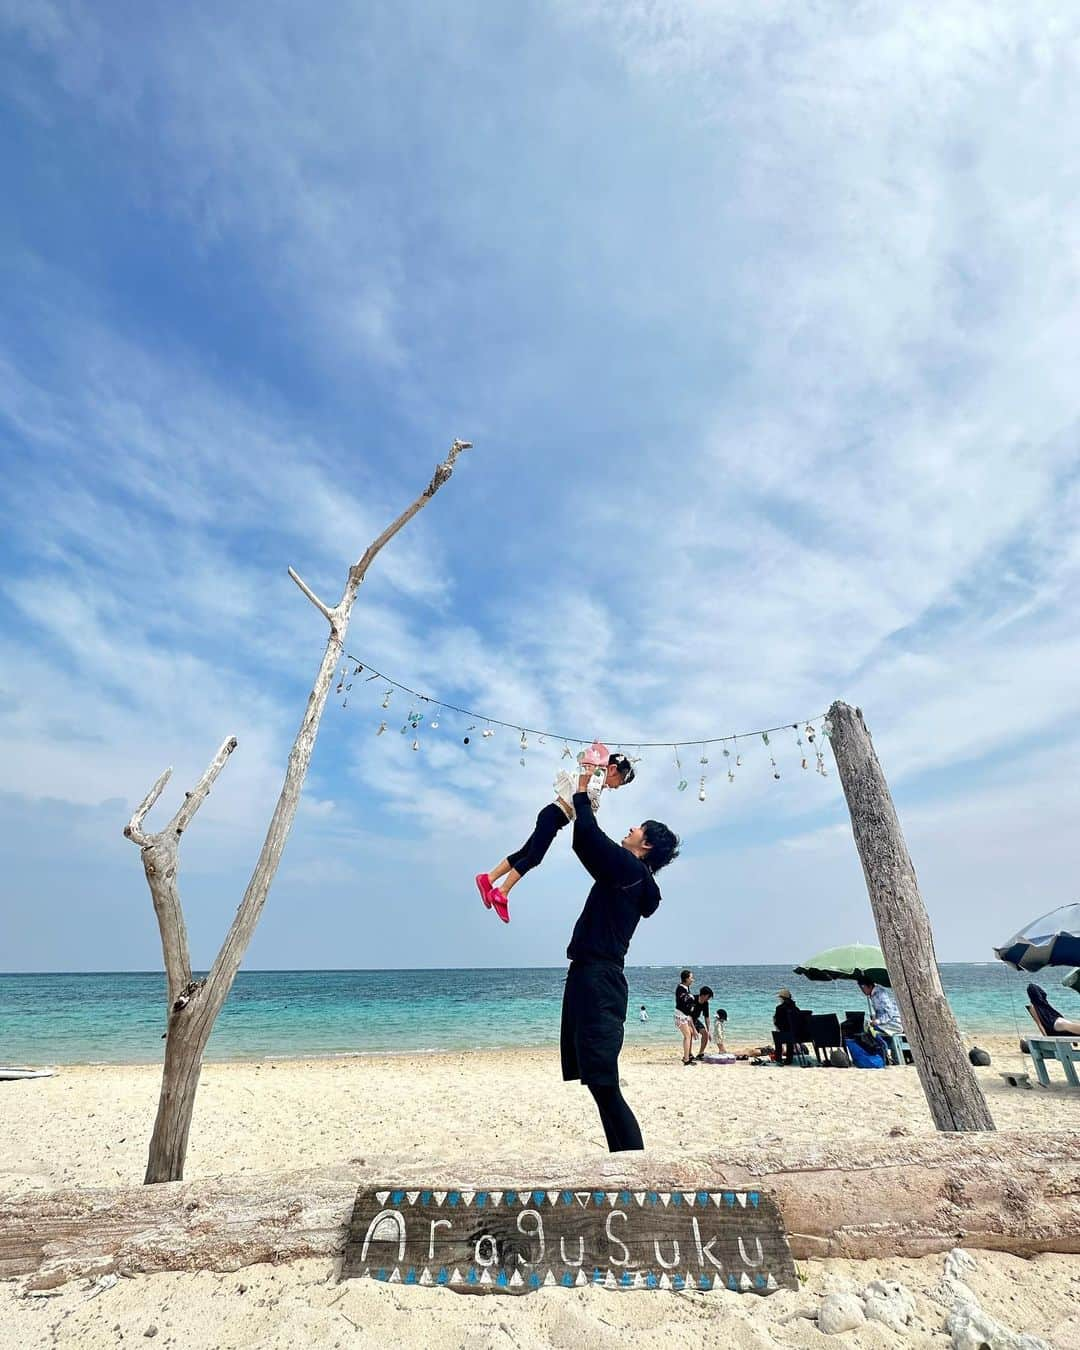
865, 982
684, 975
625, 768
704, 992
663, 845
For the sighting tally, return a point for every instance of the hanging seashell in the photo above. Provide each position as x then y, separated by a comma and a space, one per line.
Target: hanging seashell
701, 789
416, 745
435, 724
386, 698
683, 785
382, 728
731, 775
487, 733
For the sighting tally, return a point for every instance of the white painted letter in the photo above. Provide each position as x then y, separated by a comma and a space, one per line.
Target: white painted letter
668, 1265
386, 1226
617, 1214
537, 1232
435, 1223
494, 1250
580, 1256
760, 1254
704, 1253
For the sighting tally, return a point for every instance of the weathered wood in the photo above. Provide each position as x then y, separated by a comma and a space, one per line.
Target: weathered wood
194, 1005
514, 1240
901, 1197
953, 1093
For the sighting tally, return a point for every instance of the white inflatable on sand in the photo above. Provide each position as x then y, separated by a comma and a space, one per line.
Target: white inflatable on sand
21, 1071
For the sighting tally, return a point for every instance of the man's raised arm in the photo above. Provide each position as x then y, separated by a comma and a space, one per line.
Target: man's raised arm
603, 859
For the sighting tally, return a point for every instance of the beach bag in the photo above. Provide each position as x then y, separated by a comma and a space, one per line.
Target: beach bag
862, 1058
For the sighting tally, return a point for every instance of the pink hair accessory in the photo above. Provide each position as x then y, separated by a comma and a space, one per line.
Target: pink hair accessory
597, 755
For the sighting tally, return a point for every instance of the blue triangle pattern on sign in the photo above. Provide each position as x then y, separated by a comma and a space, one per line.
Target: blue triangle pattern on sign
703, 1198
397, 1197
443, 1275
534, 1280
410, 1277
754, 1197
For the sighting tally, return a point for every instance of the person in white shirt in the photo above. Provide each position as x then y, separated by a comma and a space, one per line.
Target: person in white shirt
643, 1015
613, 771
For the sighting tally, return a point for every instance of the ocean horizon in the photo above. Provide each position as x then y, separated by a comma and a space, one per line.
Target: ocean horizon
118, 1017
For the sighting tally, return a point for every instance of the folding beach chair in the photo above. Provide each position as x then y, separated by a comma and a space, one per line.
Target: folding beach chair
1046, 1046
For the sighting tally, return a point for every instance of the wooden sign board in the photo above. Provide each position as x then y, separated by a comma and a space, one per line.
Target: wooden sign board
512, 1242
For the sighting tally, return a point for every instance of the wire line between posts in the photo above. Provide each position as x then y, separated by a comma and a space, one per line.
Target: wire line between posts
373, 674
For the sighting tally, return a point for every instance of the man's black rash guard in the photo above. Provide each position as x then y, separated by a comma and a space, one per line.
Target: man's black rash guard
623, 892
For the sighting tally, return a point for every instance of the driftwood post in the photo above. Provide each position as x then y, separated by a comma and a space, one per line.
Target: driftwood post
195, 1004
907, 941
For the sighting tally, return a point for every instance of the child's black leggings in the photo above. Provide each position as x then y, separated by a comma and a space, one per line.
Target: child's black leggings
620, 1124
548, 824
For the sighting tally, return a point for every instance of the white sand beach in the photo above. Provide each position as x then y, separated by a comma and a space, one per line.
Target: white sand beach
89, 1126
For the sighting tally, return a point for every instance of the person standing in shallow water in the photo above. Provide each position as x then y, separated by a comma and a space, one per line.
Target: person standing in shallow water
624, 891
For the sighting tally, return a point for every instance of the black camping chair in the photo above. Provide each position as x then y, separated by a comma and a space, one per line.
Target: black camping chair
854, 1024
825, 1032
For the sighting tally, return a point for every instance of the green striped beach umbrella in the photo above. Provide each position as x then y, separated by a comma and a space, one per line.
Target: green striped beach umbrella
841, 963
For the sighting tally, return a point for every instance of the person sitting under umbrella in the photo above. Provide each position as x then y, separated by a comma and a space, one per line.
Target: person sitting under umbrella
1054, 1024
786, 1020
884, 1012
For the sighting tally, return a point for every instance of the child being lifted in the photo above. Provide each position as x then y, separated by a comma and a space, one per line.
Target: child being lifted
610, 771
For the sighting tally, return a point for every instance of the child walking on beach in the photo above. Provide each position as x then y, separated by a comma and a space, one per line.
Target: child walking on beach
611, 771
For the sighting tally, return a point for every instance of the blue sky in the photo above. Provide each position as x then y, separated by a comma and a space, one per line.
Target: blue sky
763, 322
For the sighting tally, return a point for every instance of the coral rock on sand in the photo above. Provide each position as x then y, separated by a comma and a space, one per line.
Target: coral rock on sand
890, 1303
974, 1329
971, 1327
840, 1312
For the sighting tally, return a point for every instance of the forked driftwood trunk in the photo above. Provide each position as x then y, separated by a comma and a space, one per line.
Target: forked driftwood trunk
195, 1004
1018, 1193
952, 1091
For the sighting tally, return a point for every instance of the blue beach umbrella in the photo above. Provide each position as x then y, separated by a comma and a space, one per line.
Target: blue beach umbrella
1053, 940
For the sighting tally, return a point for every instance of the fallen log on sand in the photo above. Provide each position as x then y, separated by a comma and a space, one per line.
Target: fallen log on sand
899, 1197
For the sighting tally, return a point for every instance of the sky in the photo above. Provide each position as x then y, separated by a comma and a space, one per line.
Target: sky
760, 320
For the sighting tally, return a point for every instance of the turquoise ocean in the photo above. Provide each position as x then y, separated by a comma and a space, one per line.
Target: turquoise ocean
119, 1018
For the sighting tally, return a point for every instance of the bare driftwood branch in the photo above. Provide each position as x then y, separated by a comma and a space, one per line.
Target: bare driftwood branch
324, 610
1016, 1192
441, 475
194, 1005
133, 829
952, 1091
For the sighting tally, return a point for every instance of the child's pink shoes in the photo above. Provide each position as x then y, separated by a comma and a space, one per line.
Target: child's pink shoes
492, 897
